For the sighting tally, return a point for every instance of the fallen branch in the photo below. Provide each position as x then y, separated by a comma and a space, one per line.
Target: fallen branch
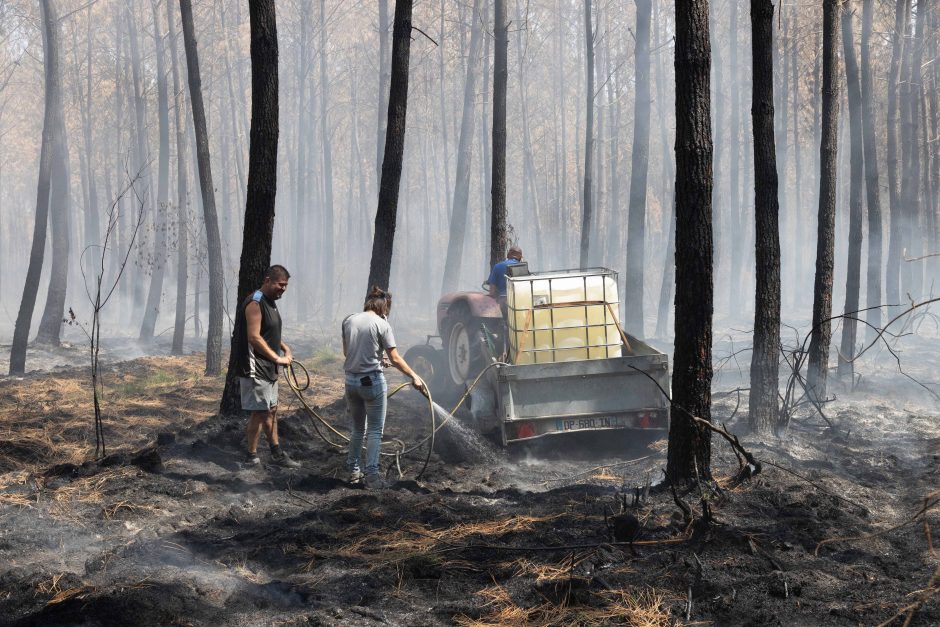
933, 587
745, 471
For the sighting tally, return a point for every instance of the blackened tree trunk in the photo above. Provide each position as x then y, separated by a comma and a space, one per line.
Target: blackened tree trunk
668, 198
893, 264
763, 412
262, 171
458, 221
636, 226
498, 235
587, 208
853, 269
50, 325
325, 131
818, 361
182, 191
50, 126
870, 157
161, 217
914, 239
213, 241
689, 454
382, 112
386, 215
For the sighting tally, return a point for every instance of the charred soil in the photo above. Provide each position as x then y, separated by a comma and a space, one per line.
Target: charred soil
172, 527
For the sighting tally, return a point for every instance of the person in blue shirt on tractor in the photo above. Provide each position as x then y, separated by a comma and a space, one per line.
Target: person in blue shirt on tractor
497, 280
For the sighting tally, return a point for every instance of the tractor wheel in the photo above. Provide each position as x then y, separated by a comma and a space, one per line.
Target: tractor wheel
429, 364
462, 345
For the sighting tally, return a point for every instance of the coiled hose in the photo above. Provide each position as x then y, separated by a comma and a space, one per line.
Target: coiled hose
298, 389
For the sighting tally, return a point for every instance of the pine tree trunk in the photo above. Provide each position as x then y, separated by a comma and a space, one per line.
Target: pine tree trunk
853, 269
689, 454
213, 241
380, 266
870, 158
498, 235
763, 406
50, 325
818, 361
915, 214
381, 115
329, 251
161, 217
735, 209
50, 126
458, 221
587, 208
893, 265
262, 171
636, 227
182, 191
668, 198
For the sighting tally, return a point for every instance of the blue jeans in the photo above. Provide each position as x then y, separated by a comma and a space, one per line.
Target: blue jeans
366, 405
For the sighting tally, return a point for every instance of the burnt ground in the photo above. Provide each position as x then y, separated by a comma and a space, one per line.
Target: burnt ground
185, 534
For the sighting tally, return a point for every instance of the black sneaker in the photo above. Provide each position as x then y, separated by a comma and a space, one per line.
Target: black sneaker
376, 482
281, 459
252, 459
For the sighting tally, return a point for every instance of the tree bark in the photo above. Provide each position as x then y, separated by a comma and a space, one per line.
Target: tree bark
668, 199
213, 241
499, 239
381, 115
50, 325
893, 265
636, 226
870, 158
914, 234
161, 217
458, 221
689, 453
50, 127
386, 215
853, 269
818, 361
182, 191
262, 171
329, 251
763, 405
587, 208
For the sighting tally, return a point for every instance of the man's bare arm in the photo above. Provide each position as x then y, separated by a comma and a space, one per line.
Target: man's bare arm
253, 320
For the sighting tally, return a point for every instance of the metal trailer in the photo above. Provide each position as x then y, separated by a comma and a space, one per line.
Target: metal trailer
623, 386
536, 400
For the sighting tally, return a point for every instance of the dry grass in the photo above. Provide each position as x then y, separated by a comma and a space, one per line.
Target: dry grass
49, 419
546, 573
417, 539
640, 608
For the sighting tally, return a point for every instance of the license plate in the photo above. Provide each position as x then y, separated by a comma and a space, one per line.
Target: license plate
594, 422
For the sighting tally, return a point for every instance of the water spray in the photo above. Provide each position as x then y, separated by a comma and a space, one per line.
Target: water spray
298, 389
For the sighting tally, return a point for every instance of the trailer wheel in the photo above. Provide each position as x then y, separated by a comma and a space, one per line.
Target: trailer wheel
428, 363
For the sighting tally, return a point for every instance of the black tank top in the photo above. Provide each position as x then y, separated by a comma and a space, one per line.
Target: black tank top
248, 363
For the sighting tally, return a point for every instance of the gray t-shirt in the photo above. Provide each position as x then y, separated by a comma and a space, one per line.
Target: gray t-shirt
366, 335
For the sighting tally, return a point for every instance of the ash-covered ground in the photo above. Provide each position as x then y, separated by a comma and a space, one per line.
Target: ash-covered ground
172, 528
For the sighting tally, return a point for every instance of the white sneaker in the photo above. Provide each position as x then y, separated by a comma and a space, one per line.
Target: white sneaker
355, 476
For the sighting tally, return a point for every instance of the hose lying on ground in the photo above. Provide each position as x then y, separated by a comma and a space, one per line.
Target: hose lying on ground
291, 377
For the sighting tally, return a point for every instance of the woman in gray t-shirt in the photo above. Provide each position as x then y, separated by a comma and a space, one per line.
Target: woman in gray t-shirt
365, 336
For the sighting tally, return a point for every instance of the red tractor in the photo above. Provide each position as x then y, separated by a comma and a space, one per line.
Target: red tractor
471, 329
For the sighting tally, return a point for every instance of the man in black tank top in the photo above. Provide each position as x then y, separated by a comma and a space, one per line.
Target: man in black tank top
259, 352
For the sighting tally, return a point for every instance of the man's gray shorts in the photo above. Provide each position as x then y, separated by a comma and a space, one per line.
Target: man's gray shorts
258, 394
